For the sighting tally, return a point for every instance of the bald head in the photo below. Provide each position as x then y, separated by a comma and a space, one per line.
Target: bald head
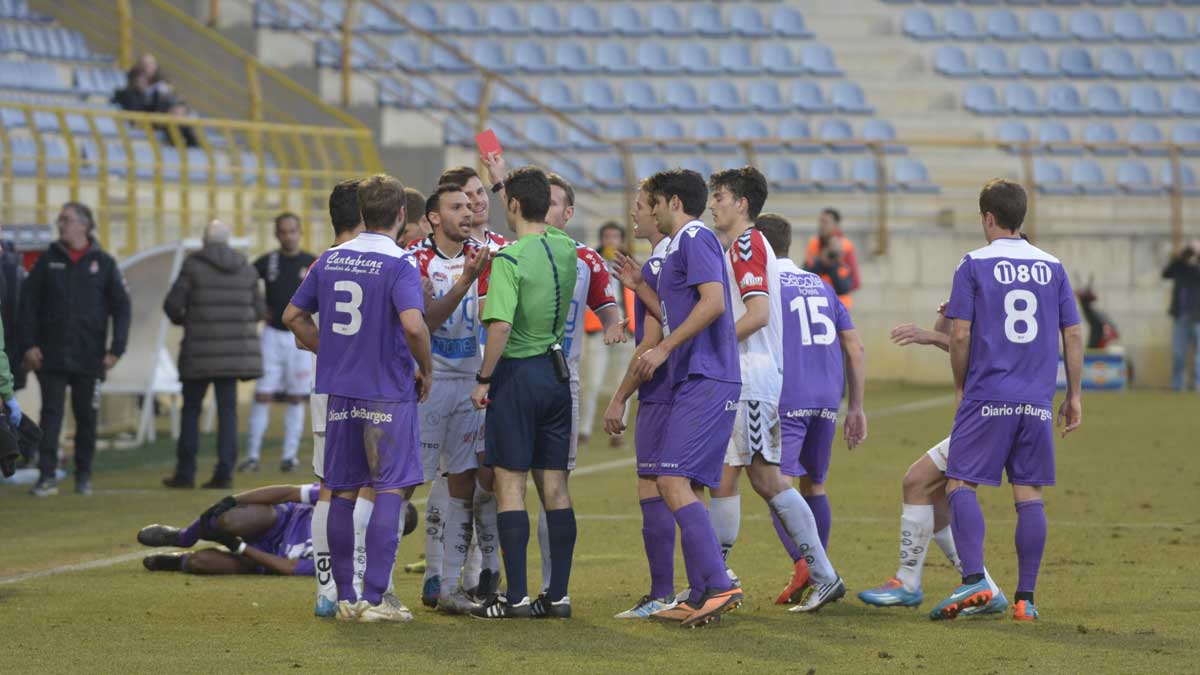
217, 232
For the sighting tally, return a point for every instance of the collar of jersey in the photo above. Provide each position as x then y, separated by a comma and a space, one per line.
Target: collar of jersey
438, 252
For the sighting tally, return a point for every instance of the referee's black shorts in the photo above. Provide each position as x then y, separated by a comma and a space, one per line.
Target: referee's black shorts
529, 419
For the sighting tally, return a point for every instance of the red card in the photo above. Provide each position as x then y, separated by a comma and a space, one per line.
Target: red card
488, 143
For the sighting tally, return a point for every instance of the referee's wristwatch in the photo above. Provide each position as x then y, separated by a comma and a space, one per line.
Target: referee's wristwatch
497, 187
481, 379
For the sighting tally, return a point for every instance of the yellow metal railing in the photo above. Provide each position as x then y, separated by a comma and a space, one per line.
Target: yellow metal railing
149, 187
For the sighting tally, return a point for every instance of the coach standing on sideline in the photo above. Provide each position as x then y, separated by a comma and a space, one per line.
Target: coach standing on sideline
528, 425
74, 290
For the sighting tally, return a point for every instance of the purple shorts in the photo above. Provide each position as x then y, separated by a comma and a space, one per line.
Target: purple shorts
649, 434
807, 436
290, 537
371, 443
991, 437
698, 430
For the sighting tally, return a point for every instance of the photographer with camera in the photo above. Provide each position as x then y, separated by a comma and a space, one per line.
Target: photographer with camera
1184, 270
831, 256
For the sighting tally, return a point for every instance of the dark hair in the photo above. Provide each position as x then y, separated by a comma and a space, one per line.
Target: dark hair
833, 213
285, 216
414, 202
777, 231
343, 207
459, 175
1005, 200
84, 212
434, 202
559, 181
381, 200
610, 225
531, 188
683, 183
747, 182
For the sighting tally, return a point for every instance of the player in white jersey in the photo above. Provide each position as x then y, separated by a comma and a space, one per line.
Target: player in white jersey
451, 428
477, 193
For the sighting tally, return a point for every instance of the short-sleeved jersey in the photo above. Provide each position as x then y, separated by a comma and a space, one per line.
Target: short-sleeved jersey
1018, 298
282, 275
456, 342
360, 288
658, 388
528, 277
812, 354
493, 241
593, 290
694, 257
754, 272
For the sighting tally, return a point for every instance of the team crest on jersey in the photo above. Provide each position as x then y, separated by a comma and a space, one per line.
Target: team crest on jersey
439, 276
749, 279
656, 265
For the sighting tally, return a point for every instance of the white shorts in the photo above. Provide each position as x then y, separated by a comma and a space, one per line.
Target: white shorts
574, 449
287, 369
939, 453
451, 428
755, 432
317, 405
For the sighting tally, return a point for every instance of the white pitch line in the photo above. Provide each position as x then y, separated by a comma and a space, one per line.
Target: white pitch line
79, 567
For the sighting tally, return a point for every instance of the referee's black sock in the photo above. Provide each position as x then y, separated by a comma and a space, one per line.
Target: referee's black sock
513, 527
561, 525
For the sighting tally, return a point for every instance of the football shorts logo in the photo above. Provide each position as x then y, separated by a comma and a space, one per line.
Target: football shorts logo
731, 406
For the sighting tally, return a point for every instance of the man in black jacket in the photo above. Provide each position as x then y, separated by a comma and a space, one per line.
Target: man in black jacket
74, 290
1184, 270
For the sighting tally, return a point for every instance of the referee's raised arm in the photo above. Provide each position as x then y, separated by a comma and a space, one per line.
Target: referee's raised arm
523, 383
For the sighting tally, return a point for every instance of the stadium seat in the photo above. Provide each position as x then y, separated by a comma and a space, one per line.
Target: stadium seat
764, 96
864, 173
507, 98
784, 175
572, 58
848, 97
406, 55
490, 54
1012, 133
950, 60
777, 59
1134, 177
665, 20
681, 96
572, 172
1185, 101
530, 57
445, 60
746, 21
1053, 136
1159, 64
598, 96
818, 60
826, 174
1034, 61
992, 61
543, 132
640, 96
583, 141
960, 25
1188, 134
1045, 26
1191, 62
797, 136
883, 132
1142, 132
556, 95
723, 96
1187, 179
711, 134
838, 135
695, 59
668, 129
754, 129
1003, 24
423, 16
501, 19
462, 18
611, 57
1050, 179
705, 19
1128, 26
653, 58
609, 173
788, 22
1021, 99
626, 128
1103, 99
584, 19
807, 96
1076, 62
627, 21
1087, 26
697, 164
1171, 26
545, 20
981, 100
734, 57
1102, 133
912, 176
1147, 101
1117, 62
468, 92
1088, 177
919, 24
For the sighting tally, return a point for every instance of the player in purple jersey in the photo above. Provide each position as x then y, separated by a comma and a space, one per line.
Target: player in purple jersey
372, 331
1009, 303
699, 351
821, 352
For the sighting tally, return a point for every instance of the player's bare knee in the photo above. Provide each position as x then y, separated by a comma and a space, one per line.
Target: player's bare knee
810, 489
1026, 493
647, 488
461, 485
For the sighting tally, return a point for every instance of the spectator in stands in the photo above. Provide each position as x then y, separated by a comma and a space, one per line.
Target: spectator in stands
829, 234
218, 302
72, 294
416, 226
1184, 271
596, 373
147, 90
830, 264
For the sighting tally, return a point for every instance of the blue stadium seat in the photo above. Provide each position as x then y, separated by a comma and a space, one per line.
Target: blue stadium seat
848, 97
507, 98
1142, 132
797, 136
1034, 61
640, 96
501, 19
423, 16
573, 172
788, 22
1053, 137
1129, 27
556, 95
667, 129
695, 59
746, 21
582, 141
784, 175
1103, 99
598, 96
456, 131
681, 96
443, 59
1159, 64
711, 133
1012, 133
1187, 134
1063, 99
1021, 99
1135, 178
1076, 62
390, 93
572, 58
644, 167
818, 60
1003, 24
777, 59
627, 21
653, 58
949, 60
530, 57
609, 173
545, 20
542, 131
734, 57
754, 129
1046, 27
1087, 26
992, 61
837, 134
911, 175
826, 174
1171, 26
1118, 63
697, 164
666, 21
625, 128
960, 25
1187, 179
981, 100
705, 19
1185, 101
584, 19
1088, 177
375, 20
919, 24
807, 96
1050, 179
864, 173
1191, 62
764, 96
490, 54
406, 54
723, 96
1101, 133
462, 18
1147, 101
612, 58
883, 132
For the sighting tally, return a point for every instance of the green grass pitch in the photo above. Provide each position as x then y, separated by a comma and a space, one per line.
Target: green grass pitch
1117, 592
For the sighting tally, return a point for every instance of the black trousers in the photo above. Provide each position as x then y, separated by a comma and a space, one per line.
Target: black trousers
85, 403
225, 390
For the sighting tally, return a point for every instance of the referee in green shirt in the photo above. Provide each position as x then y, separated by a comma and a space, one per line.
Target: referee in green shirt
523, 382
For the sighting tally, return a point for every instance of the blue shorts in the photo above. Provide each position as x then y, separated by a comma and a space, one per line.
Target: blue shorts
528, 424
649, 434
698, 430
991, 438
807, 442
371, 443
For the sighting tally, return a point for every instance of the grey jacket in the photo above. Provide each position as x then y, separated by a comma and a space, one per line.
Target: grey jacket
218, 302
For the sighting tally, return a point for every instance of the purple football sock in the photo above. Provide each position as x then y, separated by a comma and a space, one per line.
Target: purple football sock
967, 525
658, 534
1031, 542
785, 538
340, 533
819, 505
383, 536
701, 551
189, 535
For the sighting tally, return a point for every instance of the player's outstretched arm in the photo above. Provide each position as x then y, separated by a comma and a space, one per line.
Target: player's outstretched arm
855, 429
614, 415
272, 494
303, 327
1070, 413
960, 353
614, 325
709, 308
440, 309
416, 333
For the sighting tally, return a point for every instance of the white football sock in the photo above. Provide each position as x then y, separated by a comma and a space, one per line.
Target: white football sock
916, 527
457, 540
725, 513
486, 532
800, 525
544, 544
435, 526
473, 564
363, 508
260, 415
320, 541
945, 541
293, 426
